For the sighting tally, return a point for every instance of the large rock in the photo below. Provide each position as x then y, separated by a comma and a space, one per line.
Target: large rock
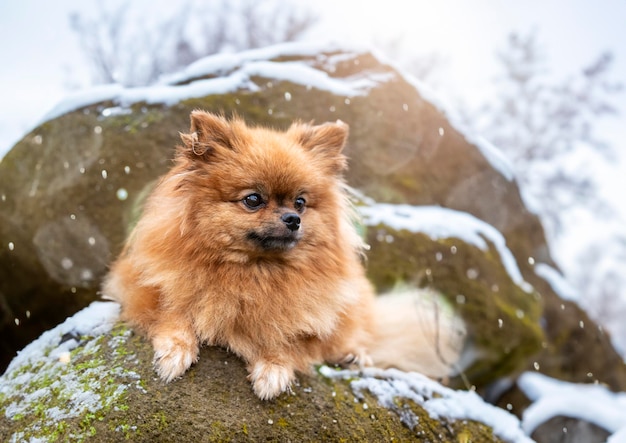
71, 189
468, 262
92, 379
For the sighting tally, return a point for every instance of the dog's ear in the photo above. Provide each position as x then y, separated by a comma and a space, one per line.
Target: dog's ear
326, 141
208, 132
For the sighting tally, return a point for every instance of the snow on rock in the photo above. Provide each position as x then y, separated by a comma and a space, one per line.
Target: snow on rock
96, 319
234, 72
593, 403
83, 98
439, 223
59, 377
222, 63
496, 158
557, 281
440, 402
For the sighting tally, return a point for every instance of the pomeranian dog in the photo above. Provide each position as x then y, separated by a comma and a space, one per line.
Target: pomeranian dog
249, 243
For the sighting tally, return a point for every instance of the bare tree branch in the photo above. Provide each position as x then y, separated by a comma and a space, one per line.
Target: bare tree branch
539, 123
123, 49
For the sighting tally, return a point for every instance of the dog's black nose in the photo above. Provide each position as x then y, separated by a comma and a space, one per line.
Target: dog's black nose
291, 220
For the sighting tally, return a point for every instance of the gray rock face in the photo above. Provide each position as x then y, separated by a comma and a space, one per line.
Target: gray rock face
71, 190
569, 430
92, 379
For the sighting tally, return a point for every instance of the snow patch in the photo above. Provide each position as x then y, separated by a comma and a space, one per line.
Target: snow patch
96, 319
592, 403
229, 73
219, 64
440, 223
557, 281
387, 385
42, 381
496, 158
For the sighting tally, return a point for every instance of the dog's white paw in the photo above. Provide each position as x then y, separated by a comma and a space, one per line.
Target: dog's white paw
269, 380
173, 355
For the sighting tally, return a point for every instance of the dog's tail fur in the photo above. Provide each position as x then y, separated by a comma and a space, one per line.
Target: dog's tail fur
417, 330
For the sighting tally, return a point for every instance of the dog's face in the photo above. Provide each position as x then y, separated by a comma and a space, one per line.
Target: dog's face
281, 230
258, 193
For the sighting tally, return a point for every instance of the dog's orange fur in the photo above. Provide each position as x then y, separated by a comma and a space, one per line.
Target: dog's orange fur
190, 273
204, 266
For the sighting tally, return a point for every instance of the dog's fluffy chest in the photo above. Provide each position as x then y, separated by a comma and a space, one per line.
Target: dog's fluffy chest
273, 309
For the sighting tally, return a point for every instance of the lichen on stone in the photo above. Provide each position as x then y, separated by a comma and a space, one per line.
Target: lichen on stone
72, 374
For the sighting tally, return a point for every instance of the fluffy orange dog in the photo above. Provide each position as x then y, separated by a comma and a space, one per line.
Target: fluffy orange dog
247, 243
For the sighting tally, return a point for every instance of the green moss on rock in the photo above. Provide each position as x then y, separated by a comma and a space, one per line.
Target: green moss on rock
503, 320
68, 396
107, 391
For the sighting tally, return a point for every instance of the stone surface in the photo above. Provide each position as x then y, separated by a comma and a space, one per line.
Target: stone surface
71, 189
77, 384
569, 430
503, 320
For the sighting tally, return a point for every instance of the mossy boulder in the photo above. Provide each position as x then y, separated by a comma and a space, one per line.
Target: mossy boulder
71, 189
91, 379
466, 261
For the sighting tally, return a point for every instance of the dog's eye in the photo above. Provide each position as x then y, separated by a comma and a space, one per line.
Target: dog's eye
299, 204
253, 201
